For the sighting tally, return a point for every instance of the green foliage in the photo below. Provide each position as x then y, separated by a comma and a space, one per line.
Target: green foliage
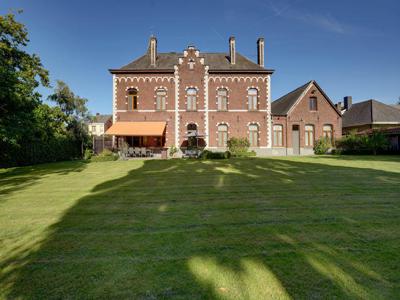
88, 154
206, 154
238, 146
245, 154
20, 74
172, 151
363, 144
322, 145
106, 155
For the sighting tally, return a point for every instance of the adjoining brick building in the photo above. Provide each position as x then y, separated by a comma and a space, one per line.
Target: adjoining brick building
164, 99
301, 117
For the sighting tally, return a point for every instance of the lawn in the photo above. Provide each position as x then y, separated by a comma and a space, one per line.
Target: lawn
279, 228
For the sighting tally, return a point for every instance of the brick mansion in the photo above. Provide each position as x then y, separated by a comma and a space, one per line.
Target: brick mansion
165, 99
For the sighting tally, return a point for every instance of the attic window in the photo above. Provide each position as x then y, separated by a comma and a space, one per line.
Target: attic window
313, 103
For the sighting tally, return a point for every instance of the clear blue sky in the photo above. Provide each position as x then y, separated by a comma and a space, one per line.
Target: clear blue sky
349, 47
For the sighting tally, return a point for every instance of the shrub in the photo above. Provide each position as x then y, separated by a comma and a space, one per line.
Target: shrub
238, 145
206, 154
363, 144
322, 145
106, 155
88, 154
172, 151
245, 154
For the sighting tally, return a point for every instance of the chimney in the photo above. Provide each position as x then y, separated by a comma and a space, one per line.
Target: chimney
339, 106
153, 51
232, 50
97, 114
347, 101
260, 52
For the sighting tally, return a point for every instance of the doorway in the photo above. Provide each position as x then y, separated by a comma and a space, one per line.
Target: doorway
296, 139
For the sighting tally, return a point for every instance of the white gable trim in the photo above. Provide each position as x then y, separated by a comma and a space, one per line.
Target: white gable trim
300, 97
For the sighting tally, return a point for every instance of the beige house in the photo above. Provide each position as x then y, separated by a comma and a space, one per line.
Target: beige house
99, 125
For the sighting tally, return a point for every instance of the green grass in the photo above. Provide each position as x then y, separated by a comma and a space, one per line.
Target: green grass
302, 227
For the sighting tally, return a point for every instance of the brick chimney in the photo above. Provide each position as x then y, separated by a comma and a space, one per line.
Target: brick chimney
347, 102
232, 50
153, 51
260, 52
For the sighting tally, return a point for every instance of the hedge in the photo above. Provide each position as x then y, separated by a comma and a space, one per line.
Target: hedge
206, 154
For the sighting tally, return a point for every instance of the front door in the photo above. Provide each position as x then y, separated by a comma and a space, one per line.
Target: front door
296, 139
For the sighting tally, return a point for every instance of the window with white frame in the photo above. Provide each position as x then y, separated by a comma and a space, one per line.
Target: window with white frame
253, 135
252, 98
161, 95
191, 104
222, 135
222, 95
132, 99
309, 135
278, 135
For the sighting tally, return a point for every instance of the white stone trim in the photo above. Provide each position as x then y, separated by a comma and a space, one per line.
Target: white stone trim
145, 78
215, 78
114, 119
206, 118
269, 113
176, 78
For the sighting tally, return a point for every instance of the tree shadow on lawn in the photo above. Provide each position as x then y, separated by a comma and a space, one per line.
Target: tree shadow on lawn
16, 179
237, 229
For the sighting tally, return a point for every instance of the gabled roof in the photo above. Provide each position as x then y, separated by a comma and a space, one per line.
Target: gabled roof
101, 118
370, 112
283, 105
215, 61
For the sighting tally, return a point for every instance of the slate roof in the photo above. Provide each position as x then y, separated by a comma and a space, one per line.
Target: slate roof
101, 118
369, 112
215, 61
282, 105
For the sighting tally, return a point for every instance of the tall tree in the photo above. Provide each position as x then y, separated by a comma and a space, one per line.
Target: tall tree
20, 74
75, 110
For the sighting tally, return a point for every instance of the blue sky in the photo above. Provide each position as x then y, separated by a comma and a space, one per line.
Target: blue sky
349, 47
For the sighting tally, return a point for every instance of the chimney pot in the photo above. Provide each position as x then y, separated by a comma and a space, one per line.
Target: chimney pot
260, 52
232, 50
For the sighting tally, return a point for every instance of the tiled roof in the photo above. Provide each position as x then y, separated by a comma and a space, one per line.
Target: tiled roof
282, 105
369, 112
215, 61
101, 118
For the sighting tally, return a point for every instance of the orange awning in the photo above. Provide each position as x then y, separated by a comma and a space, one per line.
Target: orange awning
137, 129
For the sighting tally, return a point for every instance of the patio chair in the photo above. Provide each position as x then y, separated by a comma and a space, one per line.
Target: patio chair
143, 152
137, 152
130, 151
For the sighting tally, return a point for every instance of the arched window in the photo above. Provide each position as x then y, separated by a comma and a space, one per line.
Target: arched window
222, 135
327, 131
161, 95
309, 135
222, 95
278, 135
252, 97
191, 99
132, 99
253, 135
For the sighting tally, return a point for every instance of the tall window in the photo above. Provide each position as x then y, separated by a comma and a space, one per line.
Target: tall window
278, 135
309, 135
253, 135
191, 99
327, 132
222, 135
252, 99
161, 99
313, 103
132, 99
222, 95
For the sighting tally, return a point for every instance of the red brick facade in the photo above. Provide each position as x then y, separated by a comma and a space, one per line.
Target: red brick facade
204, 75
301, 115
